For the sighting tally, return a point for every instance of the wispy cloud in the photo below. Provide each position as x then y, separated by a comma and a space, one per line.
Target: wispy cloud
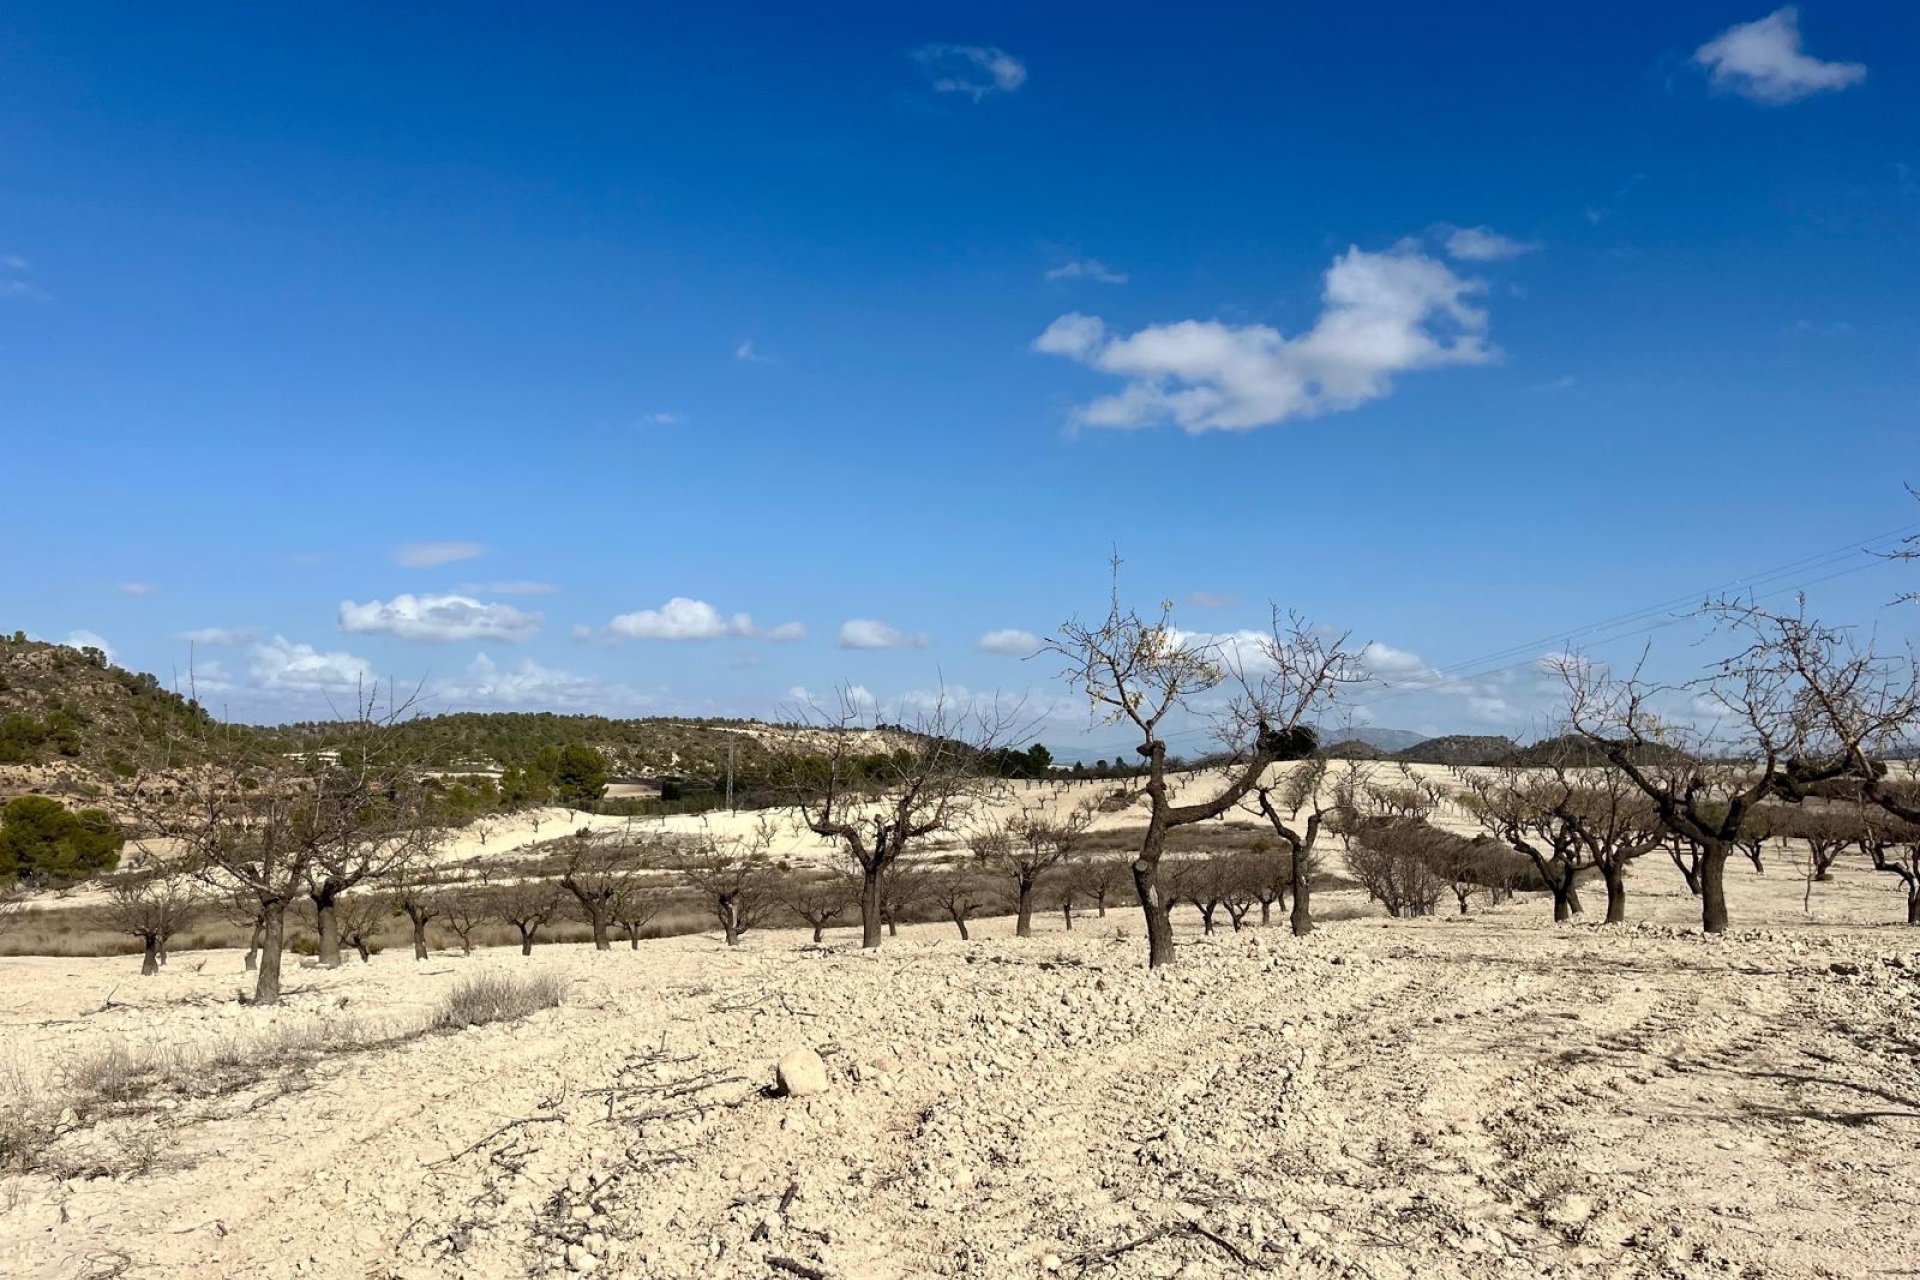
429, 555
219, 636
1384, 314
1211, 600
84, 639
1087, 269
747, 353
665, 419
512, 587
870, 633
1012, 642
972, 70
438, 619
1484, 244
486, 683
1763, 61
137, 589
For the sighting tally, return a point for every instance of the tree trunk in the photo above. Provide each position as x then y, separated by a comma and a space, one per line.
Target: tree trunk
1100, 906
526, 942
1616, 877
870, 910
1158, 913
253, 944
150, 957
960, 922
1302, 918
419, 938
1713, 891
1266, 912
1913, 902
1822, 865
1066, 913
1206, 919
328, 927
601, 939
1689, 868
273, 937
1023, 912
633, 939
819, 932
360, 945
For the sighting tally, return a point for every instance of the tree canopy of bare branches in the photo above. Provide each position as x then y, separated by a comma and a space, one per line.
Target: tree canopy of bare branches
1138, 670
879, 805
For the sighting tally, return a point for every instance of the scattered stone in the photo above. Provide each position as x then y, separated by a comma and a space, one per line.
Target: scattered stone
801, 1074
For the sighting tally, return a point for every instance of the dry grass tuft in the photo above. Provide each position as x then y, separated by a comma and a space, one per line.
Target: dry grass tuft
498, 998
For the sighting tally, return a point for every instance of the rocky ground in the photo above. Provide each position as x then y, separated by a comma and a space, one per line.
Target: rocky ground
1494, 1096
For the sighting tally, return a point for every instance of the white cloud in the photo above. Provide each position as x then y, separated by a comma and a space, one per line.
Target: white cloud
680, 619
281, 664
485, 683
854, 696
1385, 314
664, 419
518, 587
1386, 662
137, 589
785, 633
219, 636
971, 69
438, 618
1763, 61
1484, 244
1211, 600
84, 639
747, 353
1087, 269
869, 633
1011, 641
428, 555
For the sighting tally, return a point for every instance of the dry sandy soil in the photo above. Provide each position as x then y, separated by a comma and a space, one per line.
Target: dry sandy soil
1494, 1096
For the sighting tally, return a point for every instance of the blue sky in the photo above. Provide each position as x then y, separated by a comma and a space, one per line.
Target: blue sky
455, 343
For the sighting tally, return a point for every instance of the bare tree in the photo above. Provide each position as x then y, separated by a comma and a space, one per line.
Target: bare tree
961, 892
421, 902
635, 907
151, 906
1395, 861
464, 908
878, 804
1099, 878
1026, 847
360, 916
595, 872
1139, 671
1825, 828
818, 900
734, 877
1798, 706
1893, 846
906, 886
1281, 799
357, 811
527, 905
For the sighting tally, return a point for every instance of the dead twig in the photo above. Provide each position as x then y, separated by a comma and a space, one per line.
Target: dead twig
793, 1266
509, 1127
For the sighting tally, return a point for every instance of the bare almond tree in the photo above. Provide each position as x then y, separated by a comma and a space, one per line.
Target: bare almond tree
734, 877
361, 916
1282, 798
152, 906
1893, 846
1027, 847
1139, 671
464, 907
1797, 706
879, 795
596, 872
817, 900
961, 892
527, 905
421, 901
634, 909
357, 811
